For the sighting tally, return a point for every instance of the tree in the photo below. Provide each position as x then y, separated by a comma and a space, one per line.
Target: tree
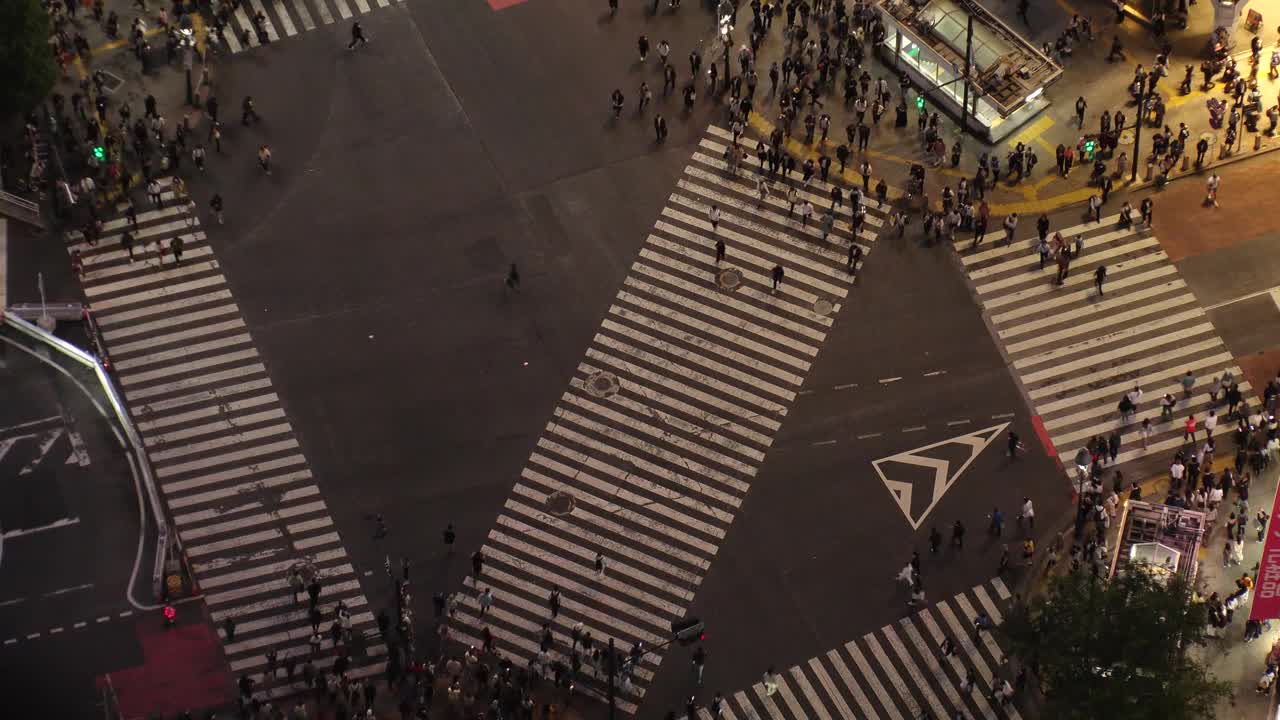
1118, 649
29, 68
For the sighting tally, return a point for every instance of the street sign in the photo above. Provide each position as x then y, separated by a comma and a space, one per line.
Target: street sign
1266, 591
963, 449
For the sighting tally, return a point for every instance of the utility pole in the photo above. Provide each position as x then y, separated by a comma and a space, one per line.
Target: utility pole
968, 64
612, 671
1137, 128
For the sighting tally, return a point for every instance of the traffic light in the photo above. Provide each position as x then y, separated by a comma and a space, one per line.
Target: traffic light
99, 152
920, 103
1089, 147
688, 631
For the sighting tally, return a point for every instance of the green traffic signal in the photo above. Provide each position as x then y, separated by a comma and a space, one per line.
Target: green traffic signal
98, 152
919, 102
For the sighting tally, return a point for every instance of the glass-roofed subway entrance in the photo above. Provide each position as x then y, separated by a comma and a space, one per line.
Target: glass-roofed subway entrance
926, 39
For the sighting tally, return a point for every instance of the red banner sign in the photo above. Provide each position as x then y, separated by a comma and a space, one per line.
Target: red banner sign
1266, 590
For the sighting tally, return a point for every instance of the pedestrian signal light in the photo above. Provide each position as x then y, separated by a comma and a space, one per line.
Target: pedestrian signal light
1089, 147
98, 152
170, 614
688, 631
920, 103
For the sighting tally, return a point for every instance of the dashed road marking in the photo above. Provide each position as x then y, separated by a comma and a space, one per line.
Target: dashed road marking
886, 381
869, 435
957, 422
824, 442
79, 625
1002, 416
33, 636
917, 428
104, 618
55, 631
935, 372
845, 386
11, 641
126, 613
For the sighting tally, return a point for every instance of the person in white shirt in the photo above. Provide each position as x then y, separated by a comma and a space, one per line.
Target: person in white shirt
713, 214
1176, 470
1028, 513
1210, 423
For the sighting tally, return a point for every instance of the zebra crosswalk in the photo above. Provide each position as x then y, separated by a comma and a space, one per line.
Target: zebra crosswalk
242, 499
286, 18
667, 418
898, 672
1077, 352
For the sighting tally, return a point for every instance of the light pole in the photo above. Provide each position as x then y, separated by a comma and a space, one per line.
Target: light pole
1137, 128
726, 12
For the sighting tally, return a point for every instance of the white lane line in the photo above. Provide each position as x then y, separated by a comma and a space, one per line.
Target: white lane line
869, 435
845, 386
953, 423
104, 618
935, 373
80, 624
916, 428
886, 381
1250, 296
1002, 416
824, 442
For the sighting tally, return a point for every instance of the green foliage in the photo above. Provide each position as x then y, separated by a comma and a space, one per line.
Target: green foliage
1117, 650
29, 69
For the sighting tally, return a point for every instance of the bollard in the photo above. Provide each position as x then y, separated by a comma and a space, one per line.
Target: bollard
1150, 165
1257, 142
1186, 162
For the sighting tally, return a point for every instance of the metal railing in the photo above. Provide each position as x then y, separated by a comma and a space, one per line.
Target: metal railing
126, 424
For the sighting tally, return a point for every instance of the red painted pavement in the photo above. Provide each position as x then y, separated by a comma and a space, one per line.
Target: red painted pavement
183, 669
504, 4
1043, 434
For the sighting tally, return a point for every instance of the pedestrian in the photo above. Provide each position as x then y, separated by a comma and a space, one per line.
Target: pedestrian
1095, 208
1188, 383
264, 158
553, 601
247, 111
935, 540
996, 526
660, 127
1113, 445
778, 274
357, 36
215, 204
1146, 430
699, 662
1189, 429
229, 628
957, 535
1064, 264
271, 658
1211, 188
477, 563
1081, 106
126, 242
512, 282
1100, 276
313, 592
806, 209
600, 565
643, 45
1210, 423
486, 601
197, 156
720, 248
1028, 513
855, 255
153, 192
713, 215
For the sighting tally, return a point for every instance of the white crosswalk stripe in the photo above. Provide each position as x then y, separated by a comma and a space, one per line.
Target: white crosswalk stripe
897, 672
292, 17
1076, 351
649, 454
244, 503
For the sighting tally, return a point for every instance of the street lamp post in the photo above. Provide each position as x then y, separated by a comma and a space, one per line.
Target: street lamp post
1137, 128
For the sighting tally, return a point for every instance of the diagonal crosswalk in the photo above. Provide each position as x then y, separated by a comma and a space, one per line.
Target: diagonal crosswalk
243, 500
286, 18
1077, 353
898, 672
667, 419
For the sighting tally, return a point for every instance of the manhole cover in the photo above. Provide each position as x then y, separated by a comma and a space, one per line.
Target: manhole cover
560, 503
823, 306
1126, 137
602, 384
729, 279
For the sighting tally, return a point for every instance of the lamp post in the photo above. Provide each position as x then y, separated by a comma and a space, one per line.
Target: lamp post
1137, 128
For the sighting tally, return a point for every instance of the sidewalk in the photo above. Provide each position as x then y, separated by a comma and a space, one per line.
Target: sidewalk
893, 150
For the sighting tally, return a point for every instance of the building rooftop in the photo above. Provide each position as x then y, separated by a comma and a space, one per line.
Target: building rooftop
1009, 69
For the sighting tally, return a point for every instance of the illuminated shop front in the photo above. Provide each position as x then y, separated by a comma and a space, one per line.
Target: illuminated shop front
1008, 75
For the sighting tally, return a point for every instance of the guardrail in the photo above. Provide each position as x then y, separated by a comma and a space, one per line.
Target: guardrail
131, 433
20, 209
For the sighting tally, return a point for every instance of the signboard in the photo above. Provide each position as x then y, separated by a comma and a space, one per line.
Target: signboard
1266, 591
